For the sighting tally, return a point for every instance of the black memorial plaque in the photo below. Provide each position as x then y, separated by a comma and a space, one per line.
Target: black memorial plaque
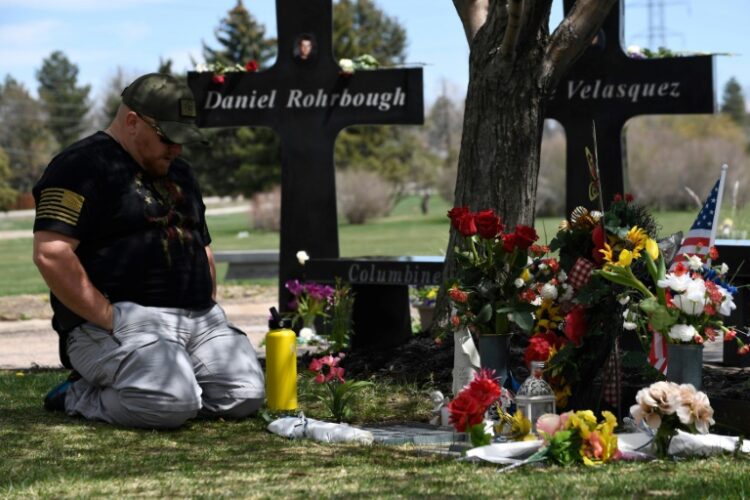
381, 287
608, 87
308, 102
736, 255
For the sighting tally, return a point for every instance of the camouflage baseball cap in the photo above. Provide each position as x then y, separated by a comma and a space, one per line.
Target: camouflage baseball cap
170, 103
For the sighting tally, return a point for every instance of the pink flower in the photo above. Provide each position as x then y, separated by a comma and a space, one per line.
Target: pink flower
549, 423
730, 335
218, 79
743, 350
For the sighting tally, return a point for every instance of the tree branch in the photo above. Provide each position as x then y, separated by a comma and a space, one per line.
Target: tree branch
473, 14
572, 38
513, 30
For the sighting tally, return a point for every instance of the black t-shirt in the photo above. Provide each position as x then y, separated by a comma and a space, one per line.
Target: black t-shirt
142, 238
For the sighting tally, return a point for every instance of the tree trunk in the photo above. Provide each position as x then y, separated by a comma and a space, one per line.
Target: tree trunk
502, 132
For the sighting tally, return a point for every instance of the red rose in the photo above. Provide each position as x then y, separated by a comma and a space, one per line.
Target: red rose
456, 213
465, 411
489, 225
509, 242
218, 79
466, 225
525, 236
251, 66
599, 238
713, 253
617, 198
629, 197
575, 325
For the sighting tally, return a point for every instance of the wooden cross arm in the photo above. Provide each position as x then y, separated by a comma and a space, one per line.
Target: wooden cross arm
571, 38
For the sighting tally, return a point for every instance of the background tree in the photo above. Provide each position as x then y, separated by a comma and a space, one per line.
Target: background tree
733, 102
111, 97
7, 193
443, 135
24, 134
240, 160
397, 154
65, 102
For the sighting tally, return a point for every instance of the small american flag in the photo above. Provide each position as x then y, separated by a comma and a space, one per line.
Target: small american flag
702, 233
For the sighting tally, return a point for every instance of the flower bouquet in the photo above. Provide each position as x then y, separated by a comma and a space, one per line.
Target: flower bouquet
577, 437
468, 408
309, 301
665, 407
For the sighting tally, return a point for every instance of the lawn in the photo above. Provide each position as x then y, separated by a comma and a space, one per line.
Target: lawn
405, 232
51, 455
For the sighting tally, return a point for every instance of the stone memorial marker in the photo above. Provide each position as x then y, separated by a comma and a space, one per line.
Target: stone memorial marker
307, 101
609, 87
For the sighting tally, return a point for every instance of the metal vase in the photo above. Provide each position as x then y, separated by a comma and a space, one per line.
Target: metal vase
494, 354
685, 364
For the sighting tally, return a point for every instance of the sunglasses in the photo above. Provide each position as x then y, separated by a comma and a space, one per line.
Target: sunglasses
157, 129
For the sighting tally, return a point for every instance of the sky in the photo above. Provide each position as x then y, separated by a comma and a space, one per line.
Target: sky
101, 35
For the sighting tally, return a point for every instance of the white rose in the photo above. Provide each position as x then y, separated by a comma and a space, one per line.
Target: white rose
676, 283
683, 333
347, 65
519, 283
695, 263
302, 257
549, 291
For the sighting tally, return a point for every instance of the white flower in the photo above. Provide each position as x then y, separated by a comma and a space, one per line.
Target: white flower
723, 269
633, 49
347, 65
561, 276
628, 324
695, 263
683, 333
727, 304
302, 257
568, 294
693, 300
549, 291
676, 283
623, 299
519, 283
537, 301
530, 261
201, 67
542, 266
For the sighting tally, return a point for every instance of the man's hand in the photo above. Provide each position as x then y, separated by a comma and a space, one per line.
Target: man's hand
55, 257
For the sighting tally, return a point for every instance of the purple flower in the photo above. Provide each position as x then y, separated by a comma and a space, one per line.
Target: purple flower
294, 287
293, 305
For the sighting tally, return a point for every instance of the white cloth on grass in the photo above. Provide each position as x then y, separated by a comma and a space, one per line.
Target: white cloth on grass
327, 432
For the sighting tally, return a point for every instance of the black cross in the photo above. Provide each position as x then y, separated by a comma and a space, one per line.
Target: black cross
609, 87
308, 102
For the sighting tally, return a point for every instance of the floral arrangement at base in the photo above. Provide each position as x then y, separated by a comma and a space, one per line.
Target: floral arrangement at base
665, 407
493, 273
577, 437
579, 317
337, 394
468, 408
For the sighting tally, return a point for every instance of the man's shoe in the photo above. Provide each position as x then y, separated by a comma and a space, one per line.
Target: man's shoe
55, 399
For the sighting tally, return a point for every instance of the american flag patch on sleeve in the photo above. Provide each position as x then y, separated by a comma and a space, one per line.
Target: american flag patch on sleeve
60, 204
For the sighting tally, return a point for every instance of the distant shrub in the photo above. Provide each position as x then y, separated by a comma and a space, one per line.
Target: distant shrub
362, 195
265, 210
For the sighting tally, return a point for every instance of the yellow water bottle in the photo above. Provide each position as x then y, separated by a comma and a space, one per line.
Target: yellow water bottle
281, 364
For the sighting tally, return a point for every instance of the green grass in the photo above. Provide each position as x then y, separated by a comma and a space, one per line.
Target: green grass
405, 232
52, 455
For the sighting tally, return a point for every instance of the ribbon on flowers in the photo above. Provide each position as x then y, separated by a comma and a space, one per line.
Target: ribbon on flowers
580, 273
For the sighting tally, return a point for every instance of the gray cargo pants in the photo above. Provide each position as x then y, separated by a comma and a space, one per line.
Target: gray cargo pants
162, 366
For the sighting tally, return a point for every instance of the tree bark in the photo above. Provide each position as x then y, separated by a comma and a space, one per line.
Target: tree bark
498, 164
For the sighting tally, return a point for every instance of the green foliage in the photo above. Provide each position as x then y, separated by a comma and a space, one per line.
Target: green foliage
241, 39
733, 102
361, 27
239, 160
339, 324
7, 193
65, 102
24, 134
